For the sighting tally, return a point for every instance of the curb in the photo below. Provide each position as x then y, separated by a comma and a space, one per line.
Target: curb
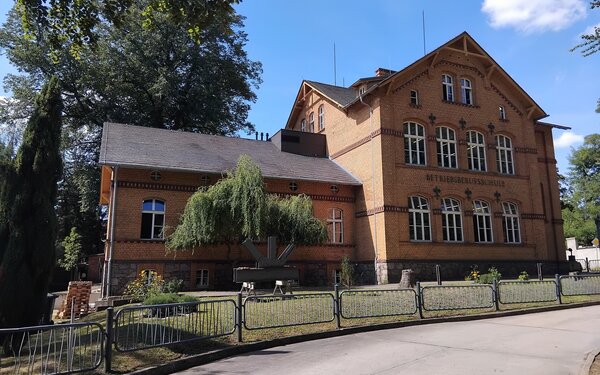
589, 361
204, 358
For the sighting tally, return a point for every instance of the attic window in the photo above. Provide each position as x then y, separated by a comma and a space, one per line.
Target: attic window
205, 179
334, 189
414, 98
502, 113
361, 90
155, 176
293, 186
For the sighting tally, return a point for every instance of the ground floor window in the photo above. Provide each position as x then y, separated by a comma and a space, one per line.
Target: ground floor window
202, 278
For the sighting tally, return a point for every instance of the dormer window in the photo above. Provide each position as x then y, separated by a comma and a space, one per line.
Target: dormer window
447, 89
414, 98
361, 90
466, 91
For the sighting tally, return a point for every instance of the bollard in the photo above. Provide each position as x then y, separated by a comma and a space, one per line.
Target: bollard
438, 274
336, 306
558, 292
539, 270
419, 299
587, 265
109, 340
240, 316
495, 294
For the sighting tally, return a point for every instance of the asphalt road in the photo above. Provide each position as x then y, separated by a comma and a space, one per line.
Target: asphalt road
556, 342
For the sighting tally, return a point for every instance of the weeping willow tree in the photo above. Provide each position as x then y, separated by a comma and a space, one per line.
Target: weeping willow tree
239, 207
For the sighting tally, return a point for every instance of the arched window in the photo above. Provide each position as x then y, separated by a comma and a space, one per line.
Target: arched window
311, 122
510, 223
482, 221
414, 143
476, 151
504, 155
321, 117
447, 89
335, 225
303, 125
451, 220
153, 219
419, 222
446, 147
466, 91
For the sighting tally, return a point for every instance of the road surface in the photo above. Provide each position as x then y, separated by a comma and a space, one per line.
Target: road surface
555, 342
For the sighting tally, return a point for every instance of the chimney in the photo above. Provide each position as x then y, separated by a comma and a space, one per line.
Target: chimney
382, 72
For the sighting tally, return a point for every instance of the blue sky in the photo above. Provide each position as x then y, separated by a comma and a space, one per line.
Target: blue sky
529, 39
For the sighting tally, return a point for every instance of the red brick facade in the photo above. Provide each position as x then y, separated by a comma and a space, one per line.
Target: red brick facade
368, 138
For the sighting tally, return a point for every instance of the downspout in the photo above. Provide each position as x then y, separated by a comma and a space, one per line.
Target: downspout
111, 243
377, 278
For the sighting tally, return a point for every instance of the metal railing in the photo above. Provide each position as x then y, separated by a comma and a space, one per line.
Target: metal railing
533, 291
288, 310
142, 327
452, 297
377, 303
579, 285
594, 265
52, 349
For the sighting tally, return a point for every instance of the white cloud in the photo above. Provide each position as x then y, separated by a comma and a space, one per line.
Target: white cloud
534, 15
567, 139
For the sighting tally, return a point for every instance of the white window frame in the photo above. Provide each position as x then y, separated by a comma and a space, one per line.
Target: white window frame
204, 278
155, 213
466, 91
445, 138
447, 88
482, 222
303, 125
311, 122
510, 223
414, 144
504, 155
414, 97
452, 228
321, 117
335, 225
419, 219
502, 112
476, 153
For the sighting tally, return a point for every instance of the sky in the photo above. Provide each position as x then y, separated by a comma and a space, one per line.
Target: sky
530, 39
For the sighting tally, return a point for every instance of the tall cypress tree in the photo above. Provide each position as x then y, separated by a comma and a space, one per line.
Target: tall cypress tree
27, 217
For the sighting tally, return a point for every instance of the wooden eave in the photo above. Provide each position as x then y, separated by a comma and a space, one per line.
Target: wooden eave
105, 177
305, 89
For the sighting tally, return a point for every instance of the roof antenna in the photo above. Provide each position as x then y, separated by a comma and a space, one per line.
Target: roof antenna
424, 53
334, 67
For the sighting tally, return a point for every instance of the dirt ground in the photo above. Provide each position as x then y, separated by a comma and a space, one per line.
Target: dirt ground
595, 369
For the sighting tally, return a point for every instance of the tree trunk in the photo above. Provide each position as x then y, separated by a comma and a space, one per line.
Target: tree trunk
408, 279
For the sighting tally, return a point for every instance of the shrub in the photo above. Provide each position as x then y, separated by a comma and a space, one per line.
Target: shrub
161, 299
173, 286
473, 275
523, 276
347, 272
488, 278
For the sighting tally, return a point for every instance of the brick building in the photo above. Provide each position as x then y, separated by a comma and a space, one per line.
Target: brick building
443, 162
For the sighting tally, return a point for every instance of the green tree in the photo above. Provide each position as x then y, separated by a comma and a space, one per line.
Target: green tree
584, 183
71, 24
238, 207
591, 42
157, 76
72, 251
27, 215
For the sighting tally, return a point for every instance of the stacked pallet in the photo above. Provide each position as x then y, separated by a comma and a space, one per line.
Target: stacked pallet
76, 301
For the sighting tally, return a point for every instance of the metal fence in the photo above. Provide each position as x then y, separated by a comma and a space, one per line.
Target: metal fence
377, 303
142, 327
54, 349
510, 292
288, 310
594, 265
580, 285
436, 298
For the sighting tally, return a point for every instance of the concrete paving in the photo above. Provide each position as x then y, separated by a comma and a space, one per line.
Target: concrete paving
555, 342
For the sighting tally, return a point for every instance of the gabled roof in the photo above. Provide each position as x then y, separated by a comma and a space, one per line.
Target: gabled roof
338, 94
151, 148
463, 43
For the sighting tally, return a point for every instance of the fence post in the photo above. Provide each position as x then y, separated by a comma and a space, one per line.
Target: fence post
337, 306
109, 340
419, 299
240, 316
539, 270
558, 291
587, 264
438, 274
496, 294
